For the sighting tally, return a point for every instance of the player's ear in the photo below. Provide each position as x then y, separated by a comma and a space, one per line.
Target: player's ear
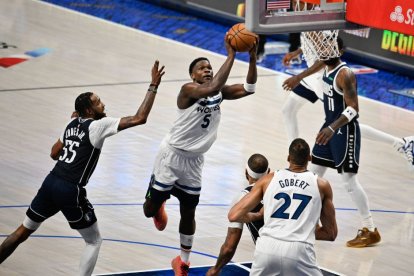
310, 158
90, 111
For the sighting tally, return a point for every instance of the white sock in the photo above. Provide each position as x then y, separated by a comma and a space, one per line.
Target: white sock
187, 242
359, 197
378, 135
368, 222
289, 112
93, 242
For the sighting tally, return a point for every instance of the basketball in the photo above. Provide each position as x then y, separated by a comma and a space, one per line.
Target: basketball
240, 38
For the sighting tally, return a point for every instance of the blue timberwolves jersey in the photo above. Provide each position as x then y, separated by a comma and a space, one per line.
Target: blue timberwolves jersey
333, 97
78, 158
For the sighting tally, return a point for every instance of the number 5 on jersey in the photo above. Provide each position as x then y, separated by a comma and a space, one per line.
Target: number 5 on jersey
206, 121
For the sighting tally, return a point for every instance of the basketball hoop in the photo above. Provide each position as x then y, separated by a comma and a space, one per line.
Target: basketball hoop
317, 45
320, 45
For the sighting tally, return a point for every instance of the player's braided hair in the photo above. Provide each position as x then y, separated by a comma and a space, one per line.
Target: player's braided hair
299, 152
258, 163
82, 103
194, 62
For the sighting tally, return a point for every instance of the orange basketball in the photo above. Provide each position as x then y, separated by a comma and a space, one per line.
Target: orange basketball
240, 38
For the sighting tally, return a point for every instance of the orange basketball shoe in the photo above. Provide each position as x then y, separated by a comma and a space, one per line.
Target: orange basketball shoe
180, 268
161, 218
365, 238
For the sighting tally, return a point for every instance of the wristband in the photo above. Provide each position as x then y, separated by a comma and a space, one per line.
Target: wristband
152, 88
350, 113
250, 87
331, 129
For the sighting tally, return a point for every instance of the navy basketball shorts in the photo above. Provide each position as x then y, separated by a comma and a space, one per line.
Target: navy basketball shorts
56, 195
342, 151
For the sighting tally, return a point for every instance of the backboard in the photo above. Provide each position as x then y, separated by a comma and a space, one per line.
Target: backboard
286, 16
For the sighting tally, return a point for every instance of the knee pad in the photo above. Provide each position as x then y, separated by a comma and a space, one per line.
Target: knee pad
31, 224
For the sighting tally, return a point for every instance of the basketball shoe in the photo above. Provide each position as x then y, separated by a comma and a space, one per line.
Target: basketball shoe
406, 148
180, 268
365, 238
296, 60
161, 218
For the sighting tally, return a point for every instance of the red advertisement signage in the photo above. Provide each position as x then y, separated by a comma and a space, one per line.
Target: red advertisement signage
394, 15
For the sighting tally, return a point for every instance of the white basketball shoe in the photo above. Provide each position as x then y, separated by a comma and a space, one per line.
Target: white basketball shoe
406, 148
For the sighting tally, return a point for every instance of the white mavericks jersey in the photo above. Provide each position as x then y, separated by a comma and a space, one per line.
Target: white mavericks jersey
292, 207
195, 130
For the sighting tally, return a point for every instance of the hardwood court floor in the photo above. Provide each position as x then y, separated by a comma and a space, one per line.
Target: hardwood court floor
37, 98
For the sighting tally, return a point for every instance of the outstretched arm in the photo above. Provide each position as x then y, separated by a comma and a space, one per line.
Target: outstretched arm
143, 111
227, 250
241, 211
294, 81
289, 56
345, 81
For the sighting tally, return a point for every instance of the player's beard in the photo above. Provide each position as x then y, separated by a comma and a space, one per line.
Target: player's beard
331, 61
100, 115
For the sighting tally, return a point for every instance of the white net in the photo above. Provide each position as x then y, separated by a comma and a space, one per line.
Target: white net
316, 45
320, 45
298, 5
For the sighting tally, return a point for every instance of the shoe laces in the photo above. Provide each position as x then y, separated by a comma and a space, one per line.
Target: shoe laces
409, 149
406, 147
362, 232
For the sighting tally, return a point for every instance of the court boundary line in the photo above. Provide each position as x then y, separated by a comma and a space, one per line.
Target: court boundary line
107, 84
163, 269
216, 205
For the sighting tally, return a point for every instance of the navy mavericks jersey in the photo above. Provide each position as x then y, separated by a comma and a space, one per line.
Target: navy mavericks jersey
333, 97
255, 226
78, 159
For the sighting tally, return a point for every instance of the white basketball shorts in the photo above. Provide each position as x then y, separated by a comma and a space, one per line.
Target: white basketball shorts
276, 257
182, 169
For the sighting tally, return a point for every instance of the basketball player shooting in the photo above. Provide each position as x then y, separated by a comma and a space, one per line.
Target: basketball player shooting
179, 162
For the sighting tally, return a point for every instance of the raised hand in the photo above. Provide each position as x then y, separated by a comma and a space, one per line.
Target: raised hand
157, 74
291, 83
229, 49
253, 50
